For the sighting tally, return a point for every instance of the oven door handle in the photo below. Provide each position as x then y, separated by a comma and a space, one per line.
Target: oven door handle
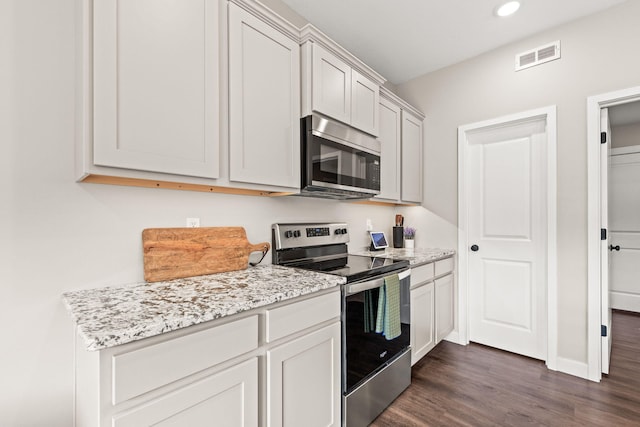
355, 288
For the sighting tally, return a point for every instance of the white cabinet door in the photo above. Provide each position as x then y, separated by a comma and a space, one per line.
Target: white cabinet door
331, 85
389, 137
303, 381
365, 99
229, 398
445, 310
264, 102
411, 158
155, 86
422, 321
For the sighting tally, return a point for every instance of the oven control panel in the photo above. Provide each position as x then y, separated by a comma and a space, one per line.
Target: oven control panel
317, 231
287, 236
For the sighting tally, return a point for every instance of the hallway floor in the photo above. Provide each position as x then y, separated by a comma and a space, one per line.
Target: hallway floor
476, 385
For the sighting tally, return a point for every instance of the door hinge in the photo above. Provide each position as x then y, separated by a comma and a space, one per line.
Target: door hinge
603, 330
603, 234
603, 137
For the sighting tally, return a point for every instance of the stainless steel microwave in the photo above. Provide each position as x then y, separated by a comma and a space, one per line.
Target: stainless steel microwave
338, 161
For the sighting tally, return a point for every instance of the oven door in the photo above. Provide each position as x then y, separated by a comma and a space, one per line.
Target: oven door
367, 351
350, 162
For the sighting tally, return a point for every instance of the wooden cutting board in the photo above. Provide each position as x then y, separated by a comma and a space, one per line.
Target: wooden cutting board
173, 253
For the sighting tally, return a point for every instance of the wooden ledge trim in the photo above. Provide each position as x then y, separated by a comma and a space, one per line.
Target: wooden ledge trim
169, 185
381, 203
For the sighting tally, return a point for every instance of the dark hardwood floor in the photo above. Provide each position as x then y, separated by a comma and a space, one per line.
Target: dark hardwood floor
476, 385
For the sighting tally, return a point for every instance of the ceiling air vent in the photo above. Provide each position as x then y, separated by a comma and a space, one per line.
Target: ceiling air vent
538, 56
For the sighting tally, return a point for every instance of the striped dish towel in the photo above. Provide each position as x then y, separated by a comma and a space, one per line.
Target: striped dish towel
388, 320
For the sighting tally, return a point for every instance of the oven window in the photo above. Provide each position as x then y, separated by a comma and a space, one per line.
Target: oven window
366, 350
340, 164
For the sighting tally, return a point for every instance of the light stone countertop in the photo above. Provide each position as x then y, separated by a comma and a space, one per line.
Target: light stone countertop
116, 315
416, 257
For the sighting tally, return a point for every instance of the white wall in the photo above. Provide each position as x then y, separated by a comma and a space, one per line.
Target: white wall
58, 235
625, 135
596, 58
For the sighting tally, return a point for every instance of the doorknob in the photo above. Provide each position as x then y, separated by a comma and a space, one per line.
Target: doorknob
475, 248
614, 248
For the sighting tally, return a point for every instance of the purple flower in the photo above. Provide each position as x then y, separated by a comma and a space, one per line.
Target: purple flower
409, 232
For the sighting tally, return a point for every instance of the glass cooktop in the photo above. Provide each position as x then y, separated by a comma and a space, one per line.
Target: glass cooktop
355, 267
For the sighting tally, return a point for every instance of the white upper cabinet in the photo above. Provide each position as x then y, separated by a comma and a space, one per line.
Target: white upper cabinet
338, 85
411, 158
331, 85
365, 97
264, 102
401, 159
390, 139
155, 86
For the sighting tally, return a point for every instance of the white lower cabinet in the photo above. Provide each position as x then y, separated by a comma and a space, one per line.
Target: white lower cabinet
422, 321
432, 306
221, 373
445, 309
229, 398
303, 380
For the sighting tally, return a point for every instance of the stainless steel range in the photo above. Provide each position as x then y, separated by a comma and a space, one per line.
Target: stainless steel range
376, 357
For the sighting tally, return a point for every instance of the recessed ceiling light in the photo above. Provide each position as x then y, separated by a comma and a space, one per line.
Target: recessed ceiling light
508, 8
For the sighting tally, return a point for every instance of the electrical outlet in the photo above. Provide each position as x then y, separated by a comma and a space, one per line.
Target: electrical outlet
369, 225
193, 222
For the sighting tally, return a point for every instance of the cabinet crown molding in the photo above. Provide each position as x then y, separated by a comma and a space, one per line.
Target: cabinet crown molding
270, 17
390, 96
309, 33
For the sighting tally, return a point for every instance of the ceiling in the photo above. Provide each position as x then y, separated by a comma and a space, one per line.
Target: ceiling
404, 39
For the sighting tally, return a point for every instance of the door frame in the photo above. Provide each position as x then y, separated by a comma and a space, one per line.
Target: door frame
549, 115
595, 204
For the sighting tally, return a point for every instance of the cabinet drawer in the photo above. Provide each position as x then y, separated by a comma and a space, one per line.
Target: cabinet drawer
231, 396
145, 369
288, 319
422, 274
444, 266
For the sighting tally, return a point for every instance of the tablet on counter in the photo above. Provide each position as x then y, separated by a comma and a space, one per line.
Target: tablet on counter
378, 240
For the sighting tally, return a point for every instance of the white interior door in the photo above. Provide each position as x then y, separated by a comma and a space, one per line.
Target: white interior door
624, 229
507, 235
604, 251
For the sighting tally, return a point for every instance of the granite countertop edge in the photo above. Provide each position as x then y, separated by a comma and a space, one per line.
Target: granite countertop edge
115, 315
416, 257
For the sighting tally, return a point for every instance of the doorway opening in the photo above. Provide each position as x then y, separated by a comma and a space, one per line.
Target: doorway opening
623, 206
507, 234
602, 239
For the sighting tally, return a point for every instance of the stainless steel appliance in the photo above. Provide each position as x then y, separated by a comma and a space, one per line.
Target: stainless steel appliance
375, 369
338, 161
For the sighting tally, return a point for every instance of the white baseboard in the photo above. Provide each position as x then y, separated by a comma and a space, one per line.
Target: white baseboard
572, 367
454, 337
624, 301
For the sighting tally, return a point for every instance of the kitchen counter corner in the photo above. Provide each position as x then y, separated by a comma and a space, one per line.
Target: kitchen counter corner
116, 315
